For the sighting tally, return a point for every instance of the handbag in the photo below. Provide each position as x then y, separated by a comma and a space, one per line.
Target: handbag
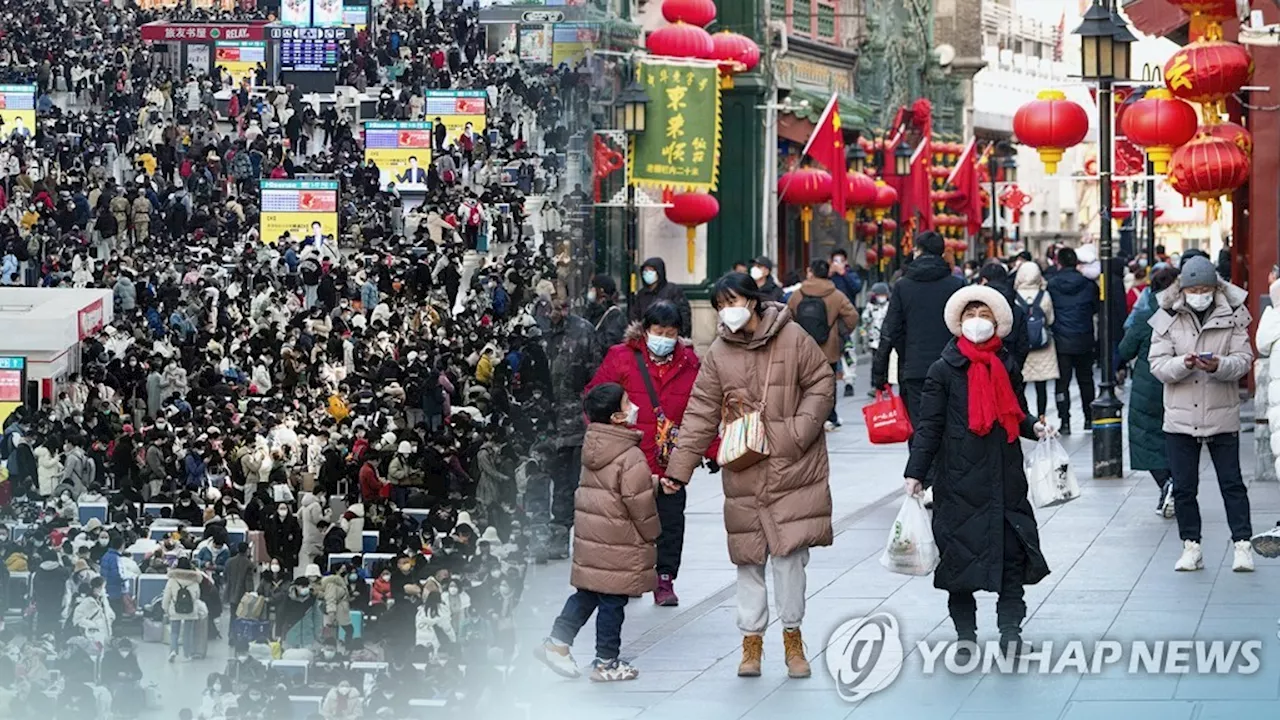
667, 432
743, 439
887, 419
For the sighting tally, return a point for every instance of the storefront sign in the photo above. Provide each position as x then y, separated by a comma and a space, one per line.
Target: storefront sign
793, 71
533, 17
89, 319
680, 148
201, 32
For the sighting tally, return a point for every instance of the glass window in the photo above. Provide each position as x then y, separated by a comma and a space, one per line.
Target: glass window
802, 17
826, 22
778, 9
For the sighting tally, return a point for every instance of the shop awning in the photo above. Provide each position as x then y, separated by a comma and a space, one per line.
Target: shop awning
854, 114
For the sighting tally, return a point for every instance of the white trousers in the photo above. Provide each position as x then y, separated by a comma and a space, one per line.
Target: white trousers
788, 585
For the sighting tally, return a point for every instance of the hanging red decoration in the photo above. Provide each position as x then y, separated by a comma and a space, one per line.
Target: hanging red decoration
1211, 10
692, 210
736, 53
859, 193
1051, 123
681, 40
886, 198
1208, 72
1016, 200
1160, 123
889, 252
871, 257
694, 12
1207, 168
1232, 133
961, 246
805, 187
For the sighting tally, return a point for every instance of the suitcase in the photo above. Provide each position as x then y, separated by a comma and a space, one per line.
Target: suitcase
250, 631
154, 631
357, 624
199, 638
258, 548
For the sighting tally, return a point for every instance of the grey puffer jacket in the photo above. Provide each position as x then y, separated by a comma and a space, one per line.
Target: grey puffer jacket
1196, 402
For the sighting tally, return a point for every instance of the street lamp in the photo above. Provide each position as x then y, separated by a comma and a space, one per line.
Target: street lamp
902, 160
1104, 58
858, 158
629, 112
1001, 157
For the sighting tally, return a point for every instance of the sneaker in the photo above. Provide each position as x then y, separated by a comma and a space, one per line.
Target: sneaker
173, 657
1243, 561
665, 594
752, 652
793, 645
1192, 558
829, 426
848, 391
1165, 507
1267, 544
614, 670
1012, 645
558, 658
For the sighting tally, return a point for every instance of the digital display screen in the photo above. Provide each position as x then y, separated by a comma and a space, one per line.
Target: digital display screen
402, 151
310, 55
298, 208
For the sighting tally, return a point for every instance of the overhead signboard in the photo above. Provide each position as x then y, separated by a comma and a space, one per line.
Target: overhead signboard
457, 110
402, 151
541, 16
298, 208
17, 110
200, 32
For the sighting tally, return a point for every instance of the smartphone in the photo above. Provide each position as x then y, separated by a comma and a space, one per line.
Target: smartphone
1206, 356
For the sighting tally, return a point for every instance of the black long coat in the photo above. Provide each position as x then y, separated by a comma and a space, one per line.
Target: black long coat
284, 538
978, 481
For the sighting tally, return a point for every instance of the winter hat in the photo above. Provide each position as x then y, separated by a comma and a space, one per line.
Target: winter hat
1275, 294
880, 289
981, 294
1197, 272
404, 448
491, 536
313, 571
464, 518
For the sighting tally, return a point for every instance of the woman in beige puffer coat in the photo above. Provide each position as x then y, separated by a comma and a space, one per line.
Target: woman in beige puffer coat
1041, 365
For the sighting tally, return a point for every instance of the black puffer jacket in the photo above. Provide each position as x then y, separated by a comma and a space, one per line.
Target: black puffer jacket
663, 290
1075, 302
978, 481
1017, 342
920, 295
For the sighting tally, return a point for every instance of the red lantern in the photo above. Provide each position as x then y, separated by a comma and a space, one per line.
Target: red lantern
868, 229
805, 187
859, 193
1051, 123
680, 40
1211, 10
1207, 72
1233, 133
871, 257
692, 210
1207, 168
736, 53
961, 246
888, 226
1160, 123
694, 12
886, 198
889, 252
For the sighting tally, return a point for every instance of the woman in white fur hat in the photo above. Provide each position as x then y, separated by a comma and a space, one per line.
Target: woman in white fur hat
966, 449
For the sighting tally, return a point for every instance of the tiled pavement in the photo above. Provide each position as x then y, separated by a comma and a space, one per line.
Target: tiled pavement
1112, 561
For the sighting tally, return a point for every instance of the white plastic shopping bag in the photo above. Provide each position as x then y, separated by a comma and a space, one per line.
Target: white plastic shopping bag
911, 549
1050, 478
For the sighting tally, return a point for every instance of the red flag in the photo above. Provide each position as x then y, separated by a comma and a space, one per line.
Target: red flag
917, 203
826, 145
965, 181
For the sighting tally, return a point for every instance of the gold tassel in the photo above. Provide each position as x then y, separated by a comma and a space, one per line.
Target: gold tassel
690, 245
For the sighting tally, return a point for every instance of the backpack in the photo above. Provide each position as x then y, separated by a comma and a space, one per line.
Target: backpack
811, 314
1037, 328
183, 603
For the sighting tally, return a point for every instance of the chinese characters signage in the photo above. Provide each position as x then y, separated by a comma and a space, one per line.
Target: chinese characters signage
193, 32
680, 148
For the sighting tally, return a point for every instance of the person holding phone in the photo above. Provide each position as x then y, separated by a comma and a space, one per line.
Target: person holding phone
1200, 350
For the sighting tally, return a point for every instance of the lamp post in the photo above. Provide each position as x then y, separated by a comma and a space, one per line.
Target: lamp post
629, 116
1104, 58
1010, 166
1001, 157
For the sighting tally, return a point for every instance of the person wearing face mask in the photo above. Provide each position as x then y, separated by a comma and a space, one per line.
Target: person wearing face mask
1200, 350
827, 315
973, 398
92, 615
603, 311
913, 324
657, 369
780, 506
654, 287
1076, 301
342, 702
183, 608
762, 274
187, 511
283, 535
273, 585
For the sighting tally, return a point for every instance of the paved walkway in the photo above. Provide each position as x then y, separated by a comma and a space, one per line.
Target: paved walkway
1112, 560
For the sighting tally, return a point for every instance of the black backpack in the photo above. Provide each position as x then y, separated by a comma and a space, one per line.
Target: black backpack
183, 603
811, 314
1037, 328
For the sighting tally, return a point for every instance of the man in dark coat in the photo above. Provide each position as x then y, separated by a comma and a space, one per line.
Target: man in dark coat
238, 576
1075, 302
654, 287
762, 273
920, 295
603, 311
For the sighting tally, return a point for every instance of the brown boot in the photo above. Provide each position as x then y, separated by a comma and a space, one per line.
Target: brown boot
752, 651
797, 666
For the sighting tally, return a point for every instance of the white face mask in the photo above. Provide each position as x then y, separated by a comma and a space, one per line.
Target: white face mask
978, 330
758, 273
661, 346
591, 295
650, 277
1199, 301
735, 318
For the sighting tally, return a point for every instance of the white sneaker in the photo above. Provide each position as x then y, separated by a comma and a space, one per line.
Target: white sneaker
1192, 558
1267, 544
829, 426
1243, 561
558, 658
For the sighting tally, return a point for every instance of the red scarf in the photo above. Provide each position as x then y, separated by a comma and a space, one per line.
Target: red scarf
991, 397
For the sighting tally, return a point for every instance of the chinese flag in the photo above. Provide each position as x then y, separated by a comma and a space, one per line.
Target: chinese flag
826, 145
917, 205
965, 181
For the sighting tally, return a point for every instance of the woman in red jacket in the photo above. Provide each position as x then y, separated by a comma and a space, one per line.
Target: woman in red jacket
657, 369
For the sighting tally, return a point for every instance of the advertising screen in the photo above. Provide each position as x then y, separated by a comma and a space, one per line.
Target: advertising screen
17, 110
455, 109
294, 206
570, 43
295, 12
402, 151
326, 13
356, 16
240, 58
13, 372
310, 55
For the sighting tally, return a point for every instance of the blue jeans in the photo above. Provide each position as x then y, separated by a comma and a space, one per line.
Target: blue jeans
181, 629
1184, 461
610, 612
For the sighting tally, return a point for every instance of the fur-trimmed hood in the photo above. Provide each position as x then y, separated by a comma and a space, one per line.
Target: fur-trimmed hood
990, 297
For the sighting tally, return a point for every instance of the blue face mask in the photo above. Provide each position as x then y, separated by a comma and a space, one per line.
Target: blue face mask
650, 277
661, 346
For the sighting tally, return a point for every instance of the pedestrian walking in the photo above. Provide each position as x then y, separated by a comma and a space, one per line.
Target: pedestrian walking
1041, 365
1075, 303
827, 315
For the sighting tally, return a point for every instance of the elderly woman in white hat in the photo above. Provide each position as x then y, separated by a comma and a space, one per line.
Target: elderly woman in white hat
966, 450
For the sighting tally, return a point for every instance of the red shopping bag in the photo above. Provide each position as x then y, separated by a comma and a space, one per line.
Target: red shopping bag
887, 420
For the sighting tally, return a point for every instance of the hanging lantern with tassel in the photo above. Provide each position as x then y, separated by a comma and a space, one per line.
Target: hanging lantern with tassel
805, 187
691, 210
